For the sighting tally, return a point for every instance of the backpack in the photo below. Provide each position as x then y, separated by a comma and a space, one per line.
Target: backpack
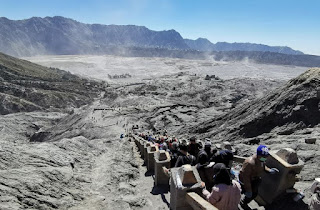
189, 159
202, 157
185, 159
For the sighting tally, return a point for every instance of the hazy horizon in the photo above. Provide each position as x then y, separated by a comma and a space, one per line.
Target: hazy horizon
286, 23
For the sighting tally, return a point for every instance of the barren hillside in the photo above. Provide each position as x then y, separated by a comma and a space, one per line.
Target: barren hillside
26, 86
76, 160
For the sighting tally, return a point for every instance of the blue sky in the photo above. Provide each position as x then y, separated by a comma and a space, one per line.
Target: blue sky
293, 23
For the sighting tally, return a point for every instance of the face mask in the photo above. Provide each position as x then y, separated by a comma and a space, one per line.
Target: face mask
263, 159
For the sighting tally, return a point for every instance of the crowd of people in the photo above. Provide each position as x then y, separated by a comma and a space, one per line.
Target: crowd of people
220, 185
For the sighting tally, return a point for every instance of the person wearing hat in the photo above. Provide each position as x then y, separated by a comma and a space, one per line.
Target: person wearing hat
250, 174
226, 193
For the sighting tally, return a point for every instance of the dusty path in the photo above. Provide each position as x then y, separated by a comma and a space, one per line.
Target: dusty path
119, 181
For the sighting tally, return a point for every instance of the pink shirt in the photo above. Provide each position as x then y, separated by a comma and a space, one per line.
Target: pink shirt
225, 197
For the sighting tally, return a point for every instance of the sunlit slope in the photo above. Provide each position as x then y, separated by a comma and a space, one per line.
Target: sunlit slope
25, 86
283, 111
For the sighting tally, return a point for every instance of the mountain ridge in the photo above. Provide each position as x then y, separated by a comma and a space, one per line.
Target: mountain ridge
59, 35
204, 44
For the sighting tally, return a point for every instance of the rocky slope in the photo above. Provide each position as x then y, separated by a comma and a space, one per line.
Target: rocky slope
292, 107
71, 173
172, 102
25, 86
80, 170
51, 160
205, 45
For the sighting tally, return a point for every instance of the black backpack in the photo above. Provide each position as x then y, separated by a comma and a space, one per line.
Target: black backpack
189, 159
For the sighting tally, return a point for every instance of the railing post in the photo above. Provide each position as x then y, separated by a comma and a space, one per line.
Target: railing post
273, 185
183, 179
141, 145
137, 141
145, 152
150, 160
162, 159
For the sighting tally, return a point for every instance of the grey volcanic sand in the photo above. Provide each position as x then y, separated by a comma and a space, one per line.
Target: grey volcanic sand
139, 67
83, 164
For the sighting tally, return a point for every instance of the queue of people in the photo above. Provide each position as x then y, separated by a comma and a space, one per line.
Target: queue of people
220, 186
